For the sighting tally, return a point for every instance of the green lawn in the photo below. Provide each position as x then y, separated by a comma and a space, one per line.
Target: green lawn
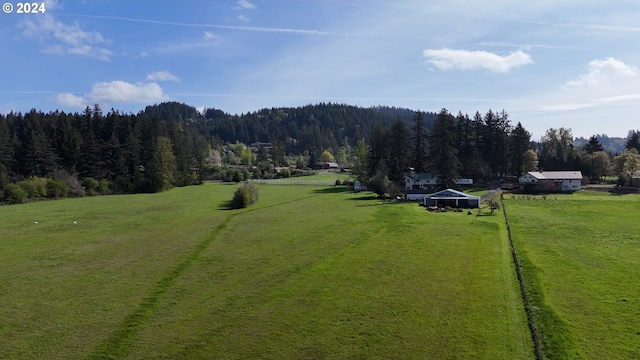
307, 272
581, 257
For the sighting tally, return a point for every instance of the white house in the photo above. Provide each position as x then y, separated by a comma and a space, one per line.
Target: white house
417, 186
551, 181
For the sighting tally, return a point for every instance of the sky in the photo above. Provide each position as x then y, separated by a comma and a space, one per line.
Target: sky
548, 64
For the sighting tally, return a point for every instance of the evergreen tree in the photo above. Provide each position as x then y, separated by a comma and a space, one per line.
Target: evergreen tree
495, 141
377, 149
161, 169
520, 139
633, 140
313, 161
41, 158
593, 145
419, 143
443, 154
397, 159
277, 152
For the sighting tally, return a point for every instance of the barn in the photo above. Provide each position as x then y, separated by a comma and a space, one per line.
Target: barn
551, 181
453, 198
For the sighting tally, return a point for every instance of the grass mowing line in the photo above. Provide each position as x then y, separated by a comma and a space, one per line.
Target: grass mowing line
527, 306
552, 336
116, 345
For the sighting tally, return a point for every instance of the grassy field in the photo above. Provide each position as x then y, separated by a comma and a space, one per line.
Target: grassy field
306, 273
581, 258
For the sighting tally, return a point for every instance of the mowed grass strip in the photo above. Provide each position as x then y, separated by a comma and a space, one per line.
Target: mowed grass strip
312, 273
581, 259
65, 287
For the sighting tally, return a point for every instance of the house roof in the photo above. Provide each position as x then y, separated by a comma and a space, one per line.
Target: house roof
555, 175
451, 194
421, 176
332, 164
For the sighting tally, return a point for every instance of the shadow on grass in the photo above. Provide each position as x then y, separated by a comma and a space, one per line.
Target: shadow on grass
332, 190
226, 205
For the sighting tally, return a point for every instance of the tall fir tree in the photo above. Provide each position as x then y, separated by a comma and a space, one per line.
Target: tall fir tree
397, 158
443, 154
377, 149
519, 144
162, 168
419, 143
593, 145
633, 140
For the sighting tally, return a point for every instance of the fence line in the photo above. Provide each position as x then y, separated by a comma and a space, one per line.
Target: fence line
527, 307
293, 182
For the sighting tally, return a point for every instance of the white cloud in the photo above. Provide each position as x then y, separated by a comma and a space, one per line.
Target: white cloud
446, 59
605, 71
209, 36
117, 91
68, 99
241, 17
72, 39
162, 76
608, 82
52, 5
245, 4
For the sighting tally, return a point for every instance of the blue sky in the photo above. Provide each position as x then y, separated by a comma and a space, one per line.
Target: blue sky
573, 64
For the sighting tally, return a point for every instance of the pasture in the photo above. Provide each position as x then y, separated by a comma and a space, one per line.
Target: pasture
306, 273
580, 256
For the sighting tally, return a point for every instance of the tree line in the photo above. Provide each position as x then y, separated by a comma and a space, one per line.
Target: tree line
134, 153
173, 144
482, 147
453, 147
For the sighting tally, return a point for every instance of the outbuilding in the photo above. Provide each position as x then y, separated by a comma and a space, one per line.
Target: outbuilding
551, 181
453, 198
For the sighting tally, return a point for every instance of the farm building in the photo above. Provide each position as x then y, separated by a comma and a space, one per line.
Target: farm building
551, 181
453, 198
330, 165
417, 186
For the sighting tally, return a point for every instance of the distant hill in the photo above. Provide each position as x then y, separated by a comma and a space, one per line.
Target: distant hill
310, 127
613, 145
320, 126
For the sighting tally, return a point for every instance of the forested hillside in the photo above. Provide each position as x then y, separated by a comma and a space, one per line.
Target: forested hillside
167, 144
173, 144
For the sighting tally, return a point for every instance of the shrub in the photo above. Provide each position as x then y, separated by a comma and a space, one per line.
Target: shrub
246, 194
90, 185
71, 181
103, 187
493, 203
236, 176
338, 182
35, 187
56, 189
285, 173
75, 188
15, 194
